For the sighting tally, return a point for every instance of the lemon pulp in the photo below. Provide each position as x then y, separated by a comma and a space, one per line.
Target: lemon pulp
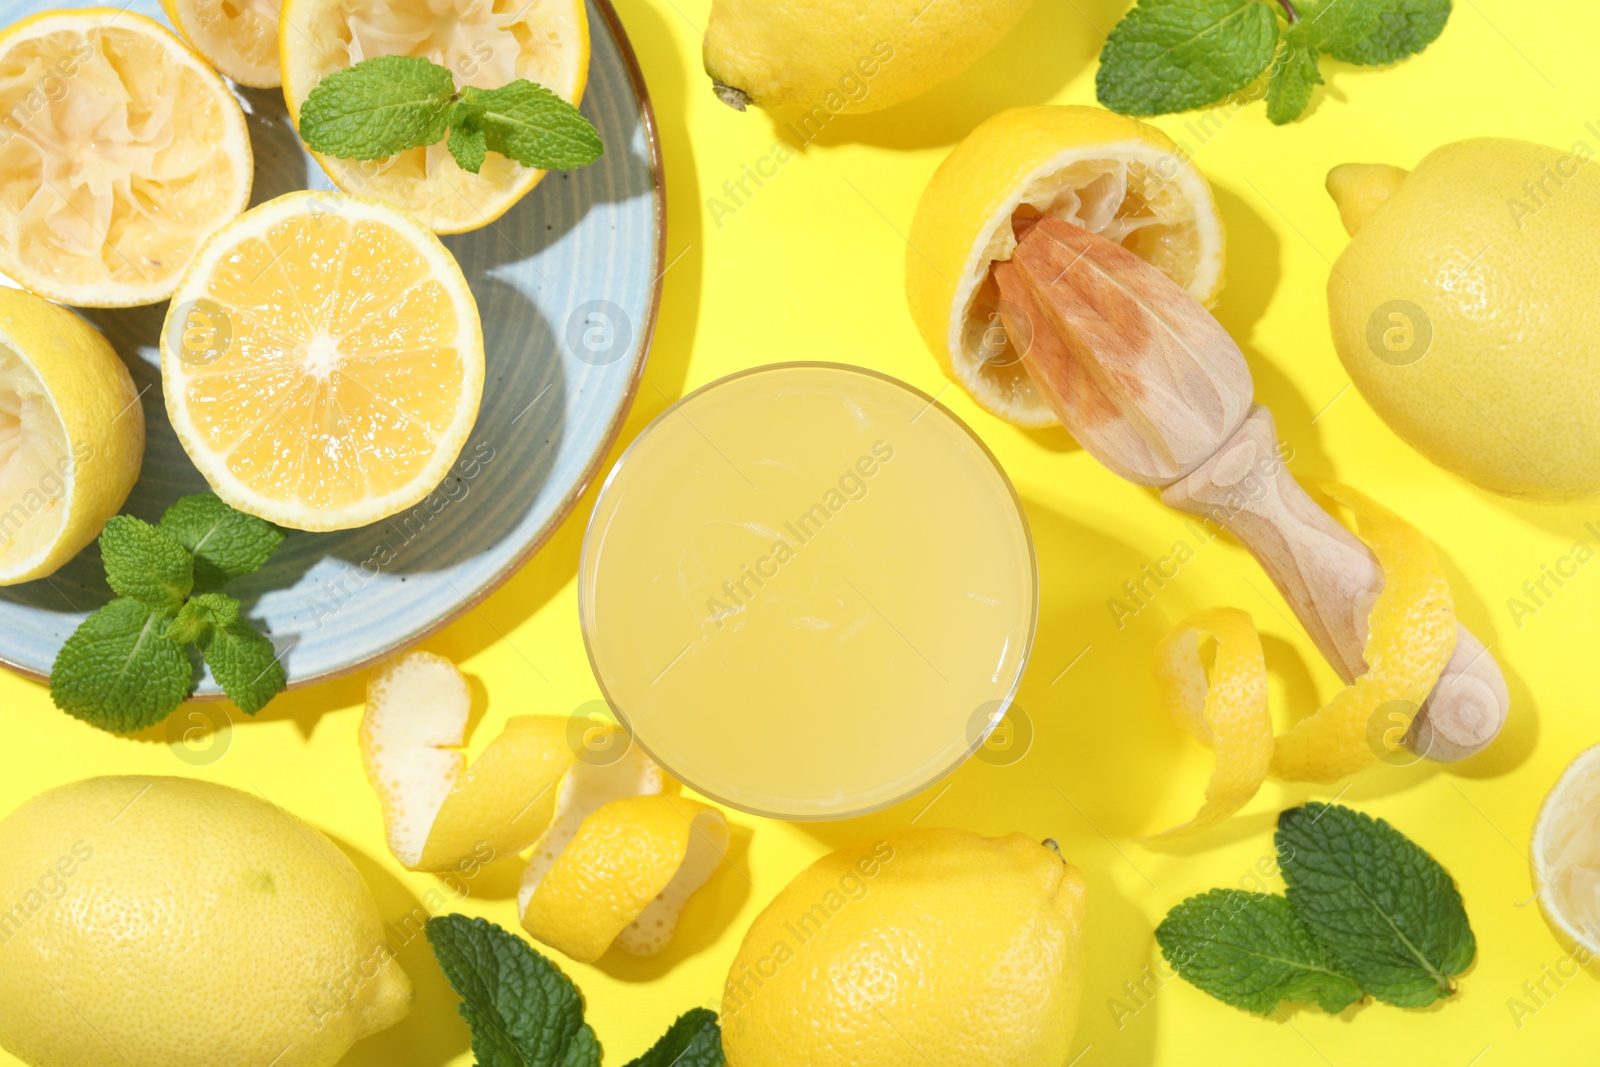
33, 464
323, 362
107, 188
485, 43
1122, 200
238, 37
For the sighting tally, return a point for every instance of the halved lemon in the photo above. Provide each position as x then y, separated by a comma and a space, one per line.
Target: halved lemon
238, 37
71, 435
486, 43
1566, 858
121, 152
323, 361
1109, 174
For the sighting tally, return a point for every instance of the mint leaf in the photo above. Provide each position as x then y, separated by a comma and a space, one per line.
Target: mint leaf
145, 564
1249, 950
534, 126
469, 146
378, 107
1173, 55
1294, 77
119, 671
695, 1040
242, 660
522, 1010
1379, 32
1382, 909
225, 543
386, 104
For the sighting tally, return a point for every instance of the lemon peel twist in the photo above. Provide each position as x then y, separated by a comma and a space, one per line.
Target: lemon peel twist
614, 857
1411, 633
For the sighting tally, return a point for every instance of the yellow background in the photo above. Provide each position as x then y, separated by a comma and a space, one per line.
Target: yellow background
811, 268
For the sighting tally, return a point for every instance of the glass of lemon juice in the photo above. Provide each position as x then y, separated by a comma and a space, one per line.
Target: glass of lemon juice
808, 590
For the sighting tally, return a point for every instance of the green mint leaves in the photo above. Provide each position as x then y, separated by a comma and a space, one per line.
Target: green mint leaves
1174, 55
1367, 912
126, 667
241, 658
119, 671
524, 1012
224, 543
145, 564
387, 104
695, 1040
1388, 915
1249, 950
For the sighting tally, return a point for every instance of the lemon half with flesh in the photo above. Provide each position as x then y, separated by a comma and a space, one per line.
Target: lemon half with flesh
71, 435
1566, 858
121, 153
483, 43
1106, 173
238, 37
323, 361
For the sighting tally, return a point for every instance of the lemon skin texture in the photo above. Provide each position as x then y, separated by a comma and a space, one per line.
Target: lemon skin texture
168, 922
931, 941
845, 56
1466, 310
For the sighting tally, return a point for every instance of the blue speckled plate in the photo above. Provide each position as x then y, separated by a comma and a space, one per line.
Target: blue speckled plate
568, 283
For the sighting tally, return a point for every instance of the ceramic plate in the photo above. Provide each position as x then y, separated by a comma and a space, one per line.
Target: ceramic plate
567, 282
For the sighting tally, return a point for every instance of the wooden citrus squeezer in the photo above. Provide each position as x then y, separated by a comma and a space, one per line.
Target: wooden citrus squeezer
1154, 388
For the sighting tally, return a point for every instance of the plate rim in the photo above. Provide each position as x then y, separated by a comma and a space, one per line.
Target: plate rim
564, 510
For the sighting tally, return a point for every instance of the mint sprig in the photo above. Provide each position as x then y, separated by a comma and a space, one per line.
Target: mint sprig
127, 666
523, 1012
1385, 911
1249, 949
1175, 55
1367, 912
385, 105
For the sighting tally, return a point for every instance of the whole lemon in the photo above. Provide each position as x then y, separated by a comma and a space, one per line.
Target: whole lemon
167, 922
842, 56
1466, 309
917, 947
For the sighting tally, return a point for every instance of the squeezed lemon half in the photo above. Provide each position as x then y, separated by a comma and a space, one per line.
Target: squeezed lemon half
71, 435
1106, 173
1566, 857
121, 153
238, 37
486, 43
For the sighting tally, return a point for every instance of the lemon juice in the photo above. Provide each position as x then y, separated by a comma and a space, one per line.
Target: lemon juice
808, 590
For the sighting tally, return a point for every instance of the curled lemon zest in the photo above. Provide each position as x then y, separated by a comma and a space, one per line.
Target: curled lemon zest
1226, 712
1411, 636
